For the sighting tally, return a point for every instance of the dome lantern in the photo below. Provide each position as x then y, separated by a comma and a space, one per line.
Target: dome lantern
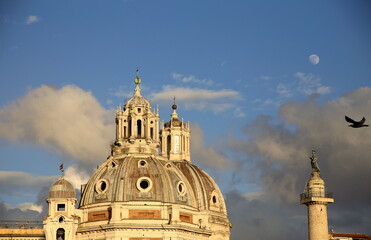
136, 126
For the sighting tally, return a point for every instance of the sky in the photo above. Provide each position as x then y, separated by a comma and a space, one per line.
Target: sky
261, 82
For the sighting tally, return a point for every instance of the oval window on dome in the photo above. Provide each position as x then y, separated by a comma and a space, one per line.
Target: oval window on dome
101, 186
214, 199
181, 188
142, 163
144, 184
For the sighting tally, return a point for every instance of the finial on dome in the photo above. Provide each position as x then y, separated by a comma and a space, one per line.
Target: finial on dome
137, 81
174, 115
174, 107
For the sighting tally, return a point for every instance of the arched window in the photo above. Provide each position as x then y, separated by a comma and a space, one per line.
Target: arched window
168, 145
129, 129
139, 128
176, 144
60, 234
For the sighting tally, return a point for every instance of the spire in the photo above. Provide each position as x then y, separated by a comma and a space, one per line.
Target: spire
137, 83
174, 115
175, 138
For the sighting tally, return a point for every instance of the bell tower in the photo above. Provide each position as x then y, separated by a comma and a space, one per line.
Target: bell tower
175, 138
62, 219
136, 126
316, 198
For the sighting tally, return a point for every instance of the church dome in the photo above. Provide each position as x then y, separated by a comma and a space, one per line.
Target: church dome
149, 182
62, 189
137, 101
147, 178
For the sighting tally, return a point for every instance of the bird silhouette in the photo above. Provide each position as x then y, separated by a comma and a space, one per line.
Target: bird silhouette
355, 124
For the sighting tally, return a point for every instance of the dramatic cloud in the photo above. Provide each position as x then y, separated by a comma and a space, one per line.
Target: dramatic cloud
21, 183
277, 159
26, 211
32, 19
199, 99
68, 121
263, 218
206, 155
191, 79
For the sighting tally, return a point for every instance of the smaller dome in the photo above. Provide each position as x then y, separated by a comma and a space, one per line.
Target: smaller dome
62, 189
137, 100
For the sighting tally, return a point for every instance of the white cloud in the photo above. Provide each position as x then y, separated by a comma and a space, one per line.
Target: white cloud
310, 84
199, 99
193, 94
68, 121
192, 79
76, 177
32, 19
30, 206
283, 90
25, 206
238, 112
265, 78
323, 90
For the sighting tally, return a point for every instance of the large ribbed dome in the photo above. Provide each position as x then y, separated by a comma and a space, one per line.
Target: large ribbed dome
148, 178
148, 187
62, 189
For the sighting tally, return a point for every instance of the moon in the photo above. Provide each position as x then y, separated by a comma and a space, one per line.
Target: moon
314, 59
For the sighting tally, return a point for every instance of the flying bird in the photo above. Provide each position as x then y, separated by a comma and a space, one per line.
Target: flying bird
355, 124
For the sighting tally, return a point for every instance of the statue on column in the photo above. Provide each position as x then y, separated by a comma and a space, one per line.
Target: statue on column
313, 162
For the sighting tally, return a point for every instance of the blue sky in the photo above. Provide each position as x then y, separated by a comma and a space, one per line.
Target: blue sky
234, 66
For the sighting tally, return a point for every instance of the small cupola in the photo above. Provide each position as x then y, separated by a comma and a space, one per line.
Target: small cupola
62, 189
175, 138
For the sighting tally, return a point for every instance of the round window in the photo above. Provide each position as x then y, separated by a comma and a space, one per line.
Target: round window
144, 184
142, 163
181, 188
214, 199
101, 186
61, 219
